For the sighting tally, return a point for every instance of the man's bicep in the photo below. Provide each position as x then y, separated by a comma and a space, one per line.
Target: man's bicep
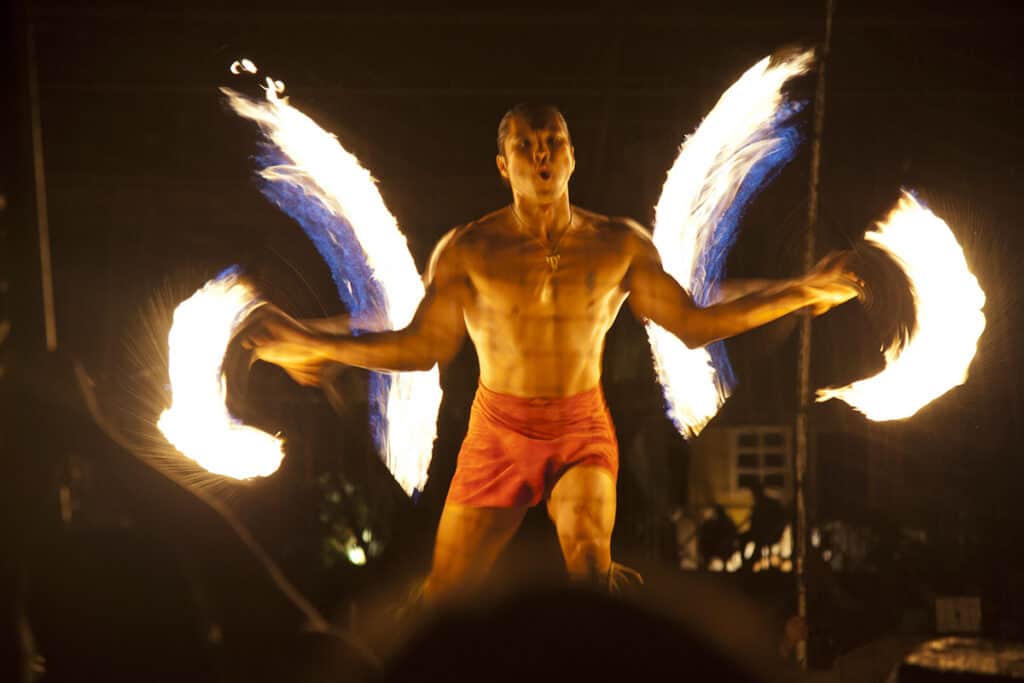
442, 307
655, 295
439, 320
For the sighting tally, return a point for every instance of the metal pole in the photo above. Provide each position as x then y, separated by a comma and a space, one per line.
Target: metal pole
803, 380
42, 216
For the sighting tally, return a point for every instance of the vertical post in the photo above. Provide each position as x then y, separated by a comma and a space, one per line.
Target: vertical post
803, 380
42, 216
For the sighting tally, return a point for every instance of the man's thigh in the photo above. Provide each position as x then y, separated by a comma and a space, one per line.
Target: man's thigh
582, 503
469, 539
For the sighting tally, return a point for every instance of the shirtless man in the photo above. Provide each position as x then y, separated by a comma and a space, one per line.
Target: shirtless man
536, 285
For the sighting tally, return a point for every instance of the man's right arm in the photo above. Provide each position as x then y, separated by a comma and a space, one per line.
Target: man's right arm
434, 335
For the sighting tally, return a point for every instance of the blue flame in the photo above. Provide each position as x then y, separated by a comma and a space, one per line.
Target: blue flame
338, 246
784, 131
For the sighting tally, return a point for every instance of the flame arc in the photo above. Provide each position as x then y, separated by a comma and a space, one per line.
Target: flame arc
198, 423
308, 173
749, 135
950, 320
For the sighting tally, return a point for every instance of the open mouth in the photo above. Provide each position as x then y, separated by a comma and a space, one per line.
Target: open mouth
545, 175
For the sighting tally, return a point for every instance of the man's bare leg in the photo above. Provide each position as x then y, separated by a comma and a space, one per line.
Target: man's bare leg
469, 541
582, 506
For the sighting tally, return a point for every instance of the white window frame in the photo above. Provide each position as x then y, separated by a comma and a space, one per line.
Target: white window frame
735, 470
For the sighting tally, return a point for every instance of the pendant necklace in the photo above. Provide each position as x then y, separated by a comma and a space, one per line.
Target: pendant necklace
552, 258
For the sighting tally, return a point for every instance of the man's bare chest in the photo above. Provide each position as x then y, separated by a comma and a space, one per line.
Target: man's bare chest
528, 277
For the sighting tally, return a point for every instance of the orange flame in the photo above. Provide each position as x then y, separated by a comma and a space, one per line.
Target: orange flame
198, 423
950, 321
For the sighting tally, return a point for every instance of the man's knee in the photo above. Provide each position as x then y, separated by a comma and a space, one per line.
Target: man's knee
587, 557
437, 586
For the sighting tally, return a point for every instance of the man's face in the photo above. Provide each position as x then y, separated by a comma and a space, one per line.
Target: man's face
538, 159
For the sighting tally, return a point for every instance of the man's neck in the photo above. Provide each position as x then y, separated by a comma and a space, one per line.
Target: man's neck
543, 220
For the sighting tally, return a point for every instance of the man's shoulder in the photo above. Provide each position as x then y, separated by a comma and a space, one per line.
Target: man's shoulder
463, 240
467, 234
615, 227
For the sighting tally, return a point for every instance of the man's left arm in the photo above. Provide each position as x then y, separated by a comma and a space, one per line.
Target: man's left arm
655, 295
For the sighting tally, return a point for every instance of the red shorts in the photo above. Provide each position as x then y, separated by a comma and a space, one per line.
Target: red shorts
516, 448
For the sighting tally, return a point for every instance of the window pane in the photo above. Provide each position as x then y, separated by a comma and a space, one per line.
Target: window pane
747, 460
774, 460
745, 480
775, 481
777, 439
748, 439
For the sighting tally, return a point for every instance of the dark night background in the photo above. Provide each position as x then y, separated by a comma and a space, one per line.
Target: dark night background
150, 192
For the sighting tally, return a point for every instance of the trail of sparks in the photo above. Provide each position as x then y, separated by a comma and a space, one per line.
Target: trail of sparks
950, 320
198, 423
745, 139
323, 186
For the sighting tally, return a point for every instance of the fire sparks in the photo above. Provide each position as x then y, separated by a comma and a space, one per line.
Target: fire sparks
949, 318
317, 181
744, 140
198, 423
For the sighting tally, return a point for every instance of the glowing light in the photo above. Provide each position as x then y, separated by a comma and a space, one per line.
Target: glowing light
241, 65
745, 139
198, 423
950, 321
356, 555
734, 562
786, 543
331, 180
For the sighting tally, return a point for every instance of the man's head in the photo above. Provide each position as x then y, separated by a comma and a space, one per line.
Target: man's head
535, 153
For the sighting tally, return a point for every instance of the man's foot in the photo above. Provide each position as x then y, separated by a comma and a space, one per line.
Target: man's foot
622, 579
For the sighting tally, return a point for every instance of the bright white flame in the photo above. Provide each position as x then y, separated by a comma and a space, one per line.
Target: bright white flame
198, 423
333, 176
949, 318
241, 65
703, 182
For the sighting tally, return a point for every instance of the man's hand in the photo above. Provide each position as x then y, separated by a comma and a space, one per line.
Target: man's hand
289, 344
830, 282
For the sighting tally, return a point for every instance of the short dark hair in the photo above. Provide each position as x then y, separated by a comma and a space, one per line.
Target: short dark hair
535, 115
